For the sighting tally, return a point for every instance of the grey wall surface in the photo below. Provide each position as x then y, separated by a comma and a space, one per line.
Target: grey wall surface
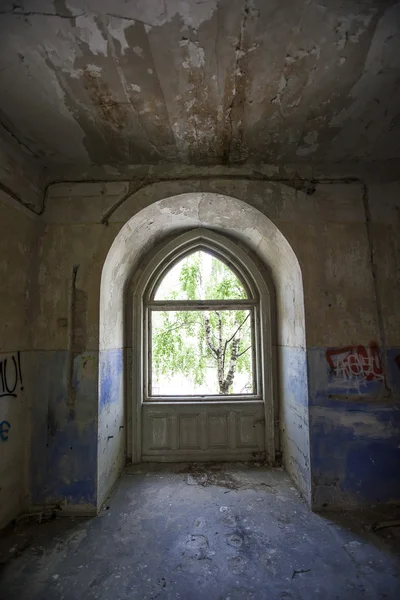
345, 426
21, 175
107, 107
18, 229
347, 245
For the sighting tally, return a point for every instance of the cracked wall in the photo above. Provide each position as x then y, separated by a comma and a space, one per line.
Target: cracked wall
167, 217
21, 175
216, 82
21, 201
352, 407
289, 95
17, 249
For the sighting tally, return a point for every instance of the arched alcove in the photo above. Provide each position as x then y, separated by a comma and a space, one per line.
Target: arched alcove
260, 235
207, 425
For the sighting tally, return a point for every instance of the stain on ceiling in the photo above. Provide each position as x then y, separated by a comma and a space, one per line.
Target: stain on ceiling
94, 82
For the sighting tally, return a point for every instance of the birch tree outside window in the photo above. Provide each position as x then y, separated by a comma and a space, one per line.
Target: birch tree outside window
201, 331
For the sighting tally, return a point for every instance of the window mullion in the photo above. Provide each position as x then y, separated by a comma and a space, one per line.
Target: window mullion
201, 304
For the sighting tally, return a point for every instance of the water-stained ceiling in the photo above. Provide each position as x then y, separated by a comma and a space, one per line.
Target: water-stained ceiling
202, 82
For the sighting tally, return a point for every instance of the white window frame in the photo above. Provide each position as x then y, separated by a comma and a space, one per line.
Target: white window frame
251, 303
259, 300
157, 261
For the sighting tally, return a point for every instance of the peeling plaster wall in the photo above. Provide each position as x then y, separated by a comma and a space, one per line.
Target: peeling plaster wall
21, 174
109, 89
355, 374
174, 214
18, 228
349, 258
75, 236
214, 82
64, 416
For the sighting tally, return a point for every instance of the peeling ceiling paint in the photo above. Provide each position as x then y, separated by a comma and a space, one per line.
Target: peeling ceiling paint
201, 81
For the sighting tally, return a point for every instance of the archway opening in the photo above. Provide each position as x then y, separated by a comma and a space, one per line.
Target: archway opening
203, 325
252, 231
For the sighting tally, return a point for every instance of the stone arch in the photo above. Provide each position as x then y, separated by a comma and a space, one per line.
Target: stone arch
253, 229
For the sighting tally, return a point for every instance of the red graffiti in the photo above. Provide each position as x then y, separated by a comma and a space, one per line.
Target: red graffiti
356, 362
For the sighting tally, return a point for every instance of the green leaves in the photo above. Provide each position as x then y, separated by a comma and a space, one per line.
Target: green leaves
200, 276
172, 351
223, 283
202, 351
190, 276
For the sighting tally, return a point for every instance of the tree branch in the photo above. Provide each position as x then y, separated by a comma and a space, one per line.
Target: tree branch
240, 326
219, 329
231, 371
221, 357
213, 349
244, 351
175, 326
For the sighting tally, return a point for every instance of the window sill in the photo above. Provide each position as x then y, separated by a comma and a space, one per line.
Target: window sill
202, 399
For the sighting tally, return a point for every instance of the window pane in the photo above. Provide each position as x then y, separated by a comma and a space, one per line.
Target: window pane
200, 276
201, 352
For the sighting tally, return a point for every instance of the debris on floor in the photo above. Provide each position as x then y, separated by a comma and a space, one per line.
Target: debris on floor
193, 532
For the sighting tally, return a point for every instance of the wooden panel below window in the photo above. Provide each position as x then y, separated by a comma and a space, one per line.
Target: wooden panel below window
177, 432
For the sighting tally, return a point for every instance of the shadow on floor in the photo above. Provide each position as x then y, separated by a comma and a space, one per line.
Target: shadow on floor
214, 532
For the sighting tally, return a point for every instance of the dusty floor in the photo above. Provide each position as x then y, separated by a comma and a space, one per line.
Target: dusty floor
220, 532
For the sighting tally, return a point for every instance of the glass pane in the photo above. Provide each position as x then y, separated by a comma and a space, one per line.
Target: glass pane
201, 352
200, 276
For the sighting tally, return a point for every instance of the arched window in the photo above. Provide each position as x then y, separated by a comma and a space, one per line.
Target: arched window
202, 352
201, 330
202, 325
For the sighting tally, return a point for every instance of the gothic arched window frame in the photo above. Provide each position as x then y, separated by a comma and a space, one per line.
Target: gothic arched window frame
258, 302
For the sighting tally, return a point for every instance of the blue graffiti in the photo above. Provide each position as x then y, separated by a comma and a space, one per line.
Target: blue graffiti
4, 430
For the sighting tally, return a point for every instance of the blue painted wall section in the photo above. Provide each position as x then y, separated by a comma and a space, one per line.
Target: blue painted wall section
393, 369
355, 425
69, 426
112, 422
294, 414
294, 365
352, 421
111, 376
64, 430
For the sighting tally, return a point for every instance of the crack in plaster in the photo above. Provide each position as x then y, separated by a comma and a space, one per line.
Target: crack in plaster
375, 279
171, 9
238, 74
15, 137
40, 14
305, 185
124, 87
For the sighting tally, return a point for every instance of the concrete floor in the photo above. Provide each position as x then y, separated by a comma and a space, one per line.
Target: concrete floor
216, 532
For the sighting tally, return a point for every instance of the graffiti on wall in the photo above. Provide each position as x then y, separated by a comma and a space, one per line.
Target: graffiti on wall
10, 376
352, 365
10, 384
4, 429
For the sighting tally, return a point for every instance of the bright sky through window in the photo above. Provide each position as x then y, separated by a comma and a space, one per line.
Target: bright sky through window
208, 350
207, 278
